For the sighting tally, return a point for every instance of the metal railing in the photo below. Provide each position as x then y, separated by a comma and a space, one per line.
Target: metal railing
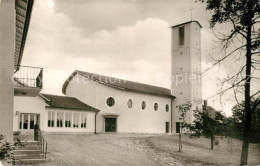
28, 76
43, 143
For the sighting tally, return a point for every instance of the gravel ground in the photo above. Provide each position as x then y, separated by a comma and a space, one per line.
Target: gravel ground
140, 150
101, 149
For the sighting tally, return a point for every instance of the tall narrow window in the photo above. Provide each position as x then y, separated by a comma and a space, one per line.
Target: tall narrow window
76, 120
68, 119
181, 36
83, 120
51, 119
155, 106
143, 105
59, 119
130, 103
167, 108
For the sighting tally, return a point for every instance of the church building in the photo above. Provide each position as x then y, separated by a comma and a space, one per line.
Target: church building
98, 103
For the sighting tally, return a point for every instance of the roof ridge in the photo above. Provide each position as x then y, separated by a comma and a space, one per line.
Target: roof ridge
57, 95
122, 79
121, 84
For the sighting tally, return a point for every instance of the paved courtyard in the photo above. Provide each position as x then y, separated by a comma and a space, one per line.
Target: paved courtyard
101, 149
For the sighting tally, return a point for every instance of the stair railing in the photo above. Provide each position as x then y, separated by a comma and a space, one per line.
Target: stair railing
43, 143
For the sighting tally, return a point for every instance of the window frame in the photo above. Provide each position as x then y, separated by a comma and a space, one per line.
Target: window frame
59, 119
51, 119
181, 33
156, 106
167, 108
82, 117
130, 103
76, 118
68, 120
107, 102
143, 105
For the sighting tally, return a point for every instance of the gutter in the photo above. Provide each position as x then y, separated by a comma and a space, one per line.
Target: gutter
25, 31
171, 115
96, 123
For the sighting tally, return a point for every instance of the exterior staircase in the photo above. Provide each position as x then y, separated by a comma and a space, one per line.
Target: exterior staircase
30, 153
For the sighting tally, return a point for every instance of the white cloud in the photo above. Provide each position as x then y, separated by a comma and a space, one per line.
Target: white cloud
137, 52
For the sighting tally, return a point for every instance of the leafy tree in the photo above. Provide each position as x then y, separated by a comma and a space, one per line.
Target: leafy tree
238, 116
183, 109
206, 125
244, 18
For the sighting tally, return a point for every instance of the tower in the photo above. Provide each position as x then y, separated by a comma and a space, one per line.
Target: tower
186, 68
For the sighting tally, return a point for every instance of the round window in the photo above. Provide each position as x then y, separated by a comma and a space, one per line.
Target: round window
110, 101
167, 108
130, 103
155, 106
143, 105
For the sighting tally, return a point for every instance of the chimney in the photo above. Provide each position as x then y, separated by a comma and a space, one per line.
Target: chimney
205, 106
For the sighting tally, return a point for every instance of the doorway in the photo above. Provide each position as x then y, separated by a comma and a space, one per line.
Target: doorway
27, 121
110, 124
167, 127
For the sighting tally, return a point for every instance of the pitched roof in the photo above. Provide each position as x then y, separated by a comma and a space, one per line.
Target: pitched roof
212, 113
66, 102
121, 84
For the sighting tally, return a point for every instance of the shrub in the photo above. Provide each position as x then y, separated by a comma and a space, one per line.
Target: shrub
6, 149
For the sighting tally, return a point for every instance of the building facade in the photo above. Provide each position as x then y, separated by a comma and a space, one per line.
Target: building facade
186, 67
123, 108
160, 114
15, 20
53, 114
97, 103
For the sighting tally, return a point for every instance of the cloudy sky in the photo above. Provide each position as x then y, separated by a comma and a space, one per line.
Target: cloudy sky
128, 39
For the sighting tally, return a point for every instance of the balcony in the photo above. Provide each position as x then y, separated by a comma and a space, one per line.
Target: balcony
27, 80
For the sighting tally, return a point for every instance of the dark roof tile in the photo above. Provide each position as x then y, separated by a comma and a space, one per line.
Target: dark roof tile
66, 102
121, 84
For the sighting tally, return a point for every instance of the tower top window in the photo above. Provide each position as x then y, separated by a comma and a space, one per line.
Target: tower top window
181, 36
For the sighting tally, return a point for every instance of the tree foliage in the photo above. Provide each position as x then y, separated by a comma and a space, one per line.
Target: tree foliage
244, 18
183, 109
238, 119
206, 125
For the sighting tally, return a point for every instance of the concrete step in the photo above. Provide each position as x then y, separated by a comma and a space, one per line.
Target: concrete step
35, 147
30, 143
29, 161
26, 151
28, 156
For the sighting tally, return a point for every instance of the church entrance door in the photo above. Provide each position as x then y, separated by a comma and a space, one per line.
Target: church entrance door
110, 124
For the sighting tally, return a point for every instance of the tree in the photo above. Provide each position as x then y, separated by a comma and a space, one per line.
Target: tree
183, 109
206, 125
243, 16
238, 116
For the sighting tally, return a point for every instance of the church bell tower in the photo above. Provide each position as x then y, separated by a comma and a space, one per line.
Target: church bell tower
186, 68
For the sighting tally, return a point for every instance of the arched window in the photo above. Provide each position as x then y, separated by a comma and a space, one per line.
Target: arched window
155, 106
110, 101
167, 108
143, 105
130, 103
